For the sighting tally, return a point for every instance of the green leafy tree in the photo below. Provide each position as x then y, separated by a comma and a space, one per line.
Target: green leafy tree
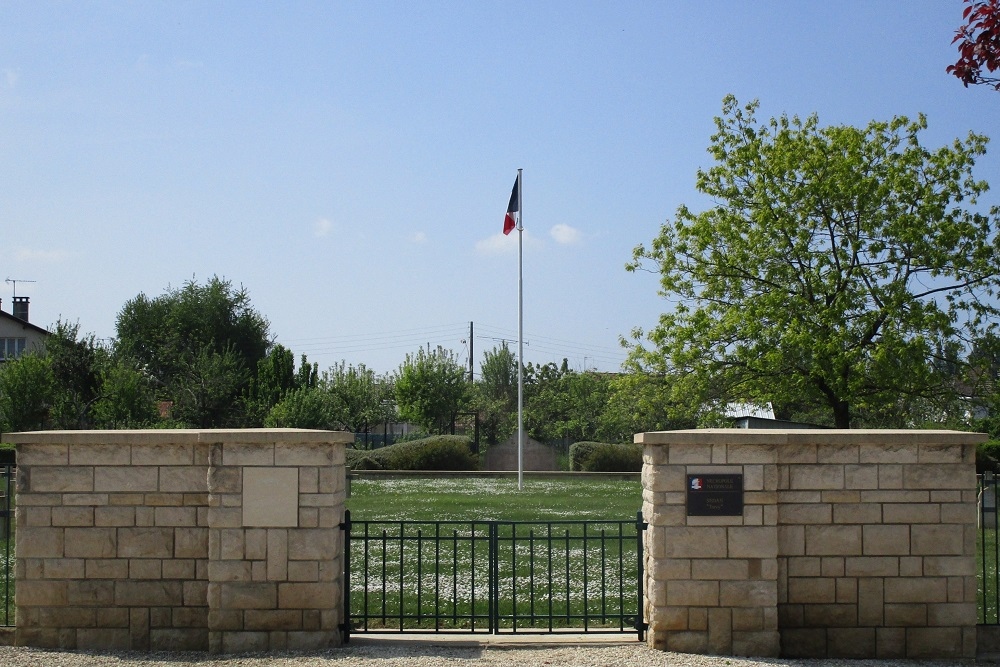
75, 362
834, 263
431, 389
201, 345
127, 398
276, 376
207, 390
307, 375
363, 397
561, 404
306, 407
640, 402
27, 390
496, 394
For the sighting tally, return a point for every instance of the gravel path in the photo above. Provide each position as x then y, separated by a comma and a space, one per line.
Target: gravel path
423, 655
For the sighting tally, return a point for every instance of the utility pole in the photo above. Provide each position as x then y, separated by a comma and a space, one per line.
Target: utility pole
471, 356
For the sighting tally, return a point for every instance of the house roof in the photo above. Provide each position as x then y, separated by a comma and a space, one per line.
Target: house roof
24, 323
754, 410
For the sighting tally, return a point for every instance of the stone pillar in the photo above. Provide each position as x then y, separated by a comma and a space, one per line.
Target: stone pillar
174, 539
849, 544
275, 558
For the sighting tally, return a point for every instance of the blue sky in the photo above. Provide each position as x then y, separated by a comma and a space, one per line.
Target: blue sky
349, 164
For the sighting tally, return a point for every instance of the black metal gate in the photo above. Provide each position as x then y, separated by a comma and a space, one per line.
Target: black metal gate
493, 576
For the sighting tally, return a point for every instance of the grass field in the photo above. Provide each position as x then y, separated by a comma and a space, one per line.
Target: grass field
493, 499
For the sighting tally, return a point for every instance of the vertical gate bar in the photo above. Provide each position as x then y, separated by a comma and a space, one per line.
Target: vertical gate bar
995, 564
604, 587
982, 532
346, 527
365, 546
472, 575
402, 585
567, 575
548, 541
494, 577
586, 599
621, 576
640, 526
384, 556
420, 576
437, 575
513, 577
531, 573
454, 577
8, 494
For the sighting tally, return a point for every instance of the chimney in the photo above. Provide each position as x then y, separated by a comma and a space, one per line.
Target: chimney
21, 308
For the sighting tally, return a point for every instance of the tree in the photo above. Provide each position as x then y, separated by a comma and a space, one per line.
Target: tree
27, 389
640, 402
207, 390
75, 364
834, 264
200, 344
127, 397
431, 389
496, 394
561, 404
306, 407
275, 377
363, 397
979, 44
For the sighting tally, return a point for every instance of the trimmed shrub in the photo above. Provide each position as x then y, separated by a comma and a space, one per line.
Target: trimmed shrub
605, 457
440, 452
362, 460
580, 452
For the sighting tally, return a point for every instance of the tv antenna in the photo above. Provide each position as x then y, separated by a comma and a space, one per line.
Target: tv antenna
15, 282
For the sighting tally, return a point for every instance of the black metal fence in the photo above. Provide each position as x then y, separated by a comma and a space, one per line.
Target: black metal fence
8, 473
493, 576
988, 551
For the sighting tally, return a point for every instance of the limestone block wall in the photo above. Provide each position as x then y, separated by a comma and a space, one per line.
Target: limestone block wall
850, 544
179, 539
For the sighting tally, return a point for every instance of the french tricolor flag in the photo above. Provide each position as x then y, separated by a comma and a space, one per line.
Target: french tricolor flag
513, 208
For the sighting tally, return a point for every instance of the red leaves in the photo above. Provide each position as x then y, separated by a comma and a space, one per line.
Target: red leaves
979, 47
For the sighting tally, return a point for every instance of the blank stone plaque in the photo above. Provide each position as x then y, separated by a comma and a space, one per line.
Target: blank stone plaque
270, 497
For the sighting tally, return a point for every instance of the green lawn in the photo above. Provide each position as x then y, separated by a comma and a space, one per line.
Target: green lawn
496, 499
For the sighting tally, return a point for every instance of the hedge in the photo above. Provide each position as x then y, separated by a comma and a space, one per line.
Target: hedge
605, 457
439, 452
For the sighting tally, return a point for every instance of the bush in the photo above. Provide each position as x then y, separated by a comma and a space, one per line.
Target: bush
440, 452
359, 459
988, 456
605, 457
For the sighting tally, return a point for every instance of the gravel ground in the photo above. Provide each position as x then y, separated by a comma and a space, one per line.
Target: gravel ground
422, 655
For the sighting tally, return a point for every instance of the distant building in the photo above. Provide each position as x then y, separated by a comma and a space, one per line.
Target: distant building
750, 415
17, 335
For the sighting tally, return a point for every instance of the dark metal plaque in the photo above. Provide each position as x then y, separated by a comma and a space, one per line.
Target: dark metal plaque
715, 495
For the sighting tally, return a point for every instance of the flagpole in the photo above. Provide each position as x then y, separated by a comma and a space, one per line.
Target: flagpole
520, 337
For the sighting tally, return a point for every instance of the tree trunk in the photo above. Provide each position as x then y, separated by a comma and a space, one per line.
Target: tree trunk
842, 414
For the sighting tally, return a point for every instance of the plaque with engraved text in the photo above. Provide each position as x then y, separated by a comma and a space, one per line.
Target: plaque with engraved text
715, 495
